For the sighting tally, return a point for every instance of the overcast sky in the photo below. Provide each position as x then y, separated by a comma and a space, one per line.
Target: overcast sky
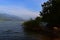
21, 8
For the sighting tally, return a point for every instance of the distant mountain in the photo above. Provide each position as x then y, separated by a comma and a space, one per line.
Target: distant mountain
7, 17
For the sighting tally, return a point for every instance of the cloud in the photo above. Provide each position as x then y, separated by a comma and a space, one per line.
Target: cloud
19, 11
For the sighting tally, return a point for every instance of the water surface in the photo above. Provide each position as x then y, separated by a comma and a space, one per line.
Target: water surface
13, 30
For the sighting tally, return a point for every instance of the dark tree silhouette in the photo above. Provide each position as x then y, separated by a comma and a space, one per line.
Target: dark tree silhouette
51, 12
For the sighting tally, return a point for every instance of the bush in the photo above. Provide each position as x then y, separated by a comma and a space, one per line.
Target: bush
32, 24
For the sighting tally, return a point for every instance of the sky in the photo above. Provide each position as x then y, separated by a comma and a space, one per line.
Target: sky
22, 8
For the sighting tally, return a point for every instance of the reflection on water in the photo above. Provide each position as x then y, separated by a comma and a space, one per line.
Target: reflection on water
10, 30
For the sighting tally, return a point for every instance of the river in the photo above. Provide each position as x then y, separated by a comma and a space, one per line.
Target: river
13, 30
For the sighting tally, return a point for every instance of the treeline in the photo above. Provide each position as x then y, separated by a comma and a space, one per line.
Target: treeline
50, 16
32, 24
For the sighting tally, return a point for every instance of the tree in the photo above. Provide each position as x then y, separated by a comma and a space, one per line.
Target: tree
51, 12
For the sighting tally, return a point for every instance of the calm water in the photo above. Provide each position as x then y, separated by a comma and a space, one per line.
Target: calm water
12, 30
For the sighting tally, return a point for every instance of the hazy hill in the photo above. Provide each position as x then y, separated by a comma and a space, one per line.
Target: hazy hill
7, 17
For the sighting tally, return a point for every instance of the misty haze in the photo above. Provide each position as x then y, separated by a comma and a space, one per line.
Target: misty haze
29, 20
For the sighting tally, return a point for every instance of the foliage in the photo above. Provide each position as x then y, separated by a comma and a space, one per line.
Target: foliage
31, 24
46, 11
51, 12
